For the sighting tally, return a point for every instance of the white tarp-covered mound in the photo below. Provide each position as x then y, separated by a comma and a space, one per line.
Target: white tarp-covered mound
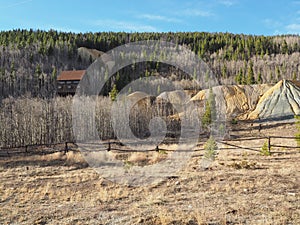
281, 100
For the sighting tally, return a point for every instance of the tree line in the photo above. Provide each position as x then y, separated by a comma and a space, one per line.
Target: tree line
235, 46
30, 60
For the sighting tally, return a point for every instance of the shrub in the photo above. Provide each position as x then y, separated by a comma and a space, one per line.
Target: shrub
243, 165
265, 149
234, 121
210, 148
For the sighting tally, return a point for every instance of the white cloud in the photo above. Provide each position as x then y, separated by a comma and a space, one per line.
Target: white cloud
276, 27
113, 25
280, 28
227, 2
272, 24
293, 28
15, 4
159, 18
196, 12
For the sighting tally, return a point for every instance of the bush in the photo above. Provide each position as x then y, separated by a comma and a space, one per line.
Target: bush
234, 121
114, 93
210, 148
265, 149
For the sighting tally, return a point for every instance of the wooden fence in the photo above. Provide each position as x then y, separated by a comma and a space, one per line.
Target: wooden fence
118, 147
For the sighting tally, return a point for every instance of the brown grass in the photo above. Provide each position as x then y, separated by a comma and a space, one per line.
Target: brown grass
240, 187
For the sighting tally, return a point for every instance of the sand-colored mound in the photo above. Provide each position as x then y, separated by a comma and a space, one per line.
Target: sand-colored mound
240, 99
200, 96
86, 53
176, 99
236, 100
136, 96
281, 100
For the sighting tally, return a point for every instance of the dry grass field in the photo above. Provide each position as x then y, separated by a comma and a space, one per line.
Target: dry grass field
239, 187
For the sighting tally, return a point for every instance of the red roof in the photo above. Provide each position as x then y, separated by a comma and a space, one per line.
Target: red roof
71, 75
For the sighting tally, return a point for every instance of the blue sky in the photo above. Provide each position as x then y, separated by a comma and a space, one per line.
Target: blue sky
266, 17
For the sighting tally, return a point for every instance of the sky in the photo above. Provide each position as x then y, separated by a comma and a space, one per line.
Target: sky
263, 17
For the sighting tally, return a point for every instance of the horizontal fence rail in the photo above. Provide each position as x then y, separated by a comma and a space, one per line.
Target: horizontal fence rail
119, 147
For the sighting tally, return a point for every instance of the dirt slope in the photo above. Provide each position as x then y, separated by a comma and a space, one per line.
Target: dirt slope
238, 100
87, 53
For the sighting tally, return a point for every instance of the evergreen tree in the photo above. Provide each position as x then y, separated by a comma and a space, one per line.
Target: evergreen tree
113, 93
239, 78
54, 73
277, 71
210, 148
250, 74
224, 71
259, 78
294, 75
210, 110
271, 77
284, 47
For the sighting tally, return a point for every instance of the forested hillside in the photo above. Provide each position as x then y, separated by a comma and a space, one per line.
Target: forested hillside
30, 60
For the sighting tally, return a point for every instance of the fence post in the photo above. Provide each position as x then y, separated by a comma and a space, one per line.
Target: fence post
269, 145
109, 148
66, 147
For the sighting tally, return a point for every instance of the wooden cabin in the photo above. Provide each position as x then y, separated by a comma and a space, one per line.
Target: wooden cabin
68, 81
